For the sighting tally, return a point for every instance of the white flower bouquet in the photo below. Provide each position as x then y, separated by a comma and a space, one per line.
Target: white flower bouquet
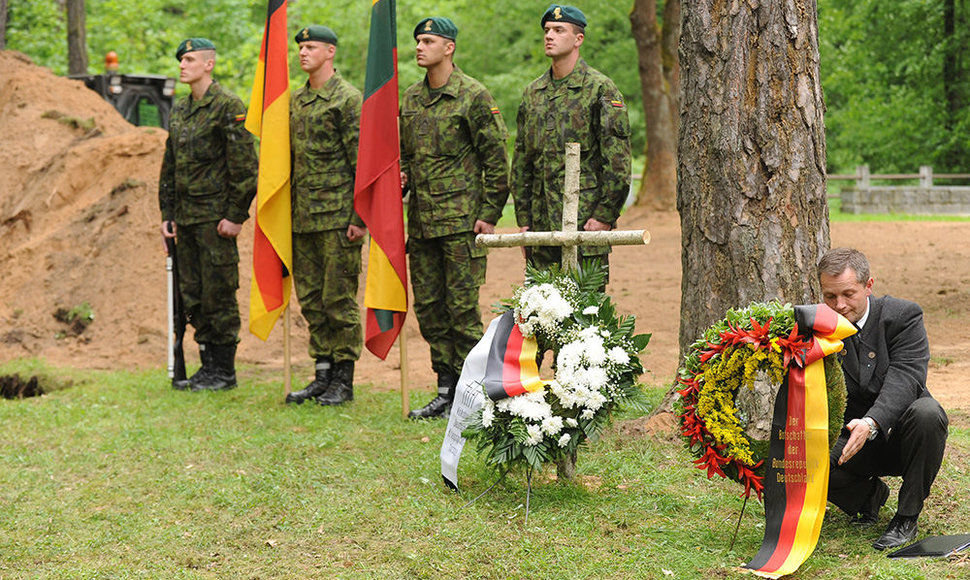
597, 365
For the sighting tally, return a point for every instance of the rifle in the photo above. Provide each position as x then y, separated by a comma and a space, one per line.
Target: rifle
176, 316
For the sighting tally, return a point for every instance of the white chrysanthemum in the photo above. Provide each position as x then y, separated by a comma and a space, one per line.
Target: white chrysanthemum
564, 440
531, 406
488, 415
551, 426
618, 356
541, 305
591, 310
570, 422
535, 434
587, 414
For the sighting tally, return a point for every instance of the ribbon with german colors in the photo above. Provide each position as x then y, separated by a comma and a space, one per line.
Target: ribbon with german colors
796, 481
511, 368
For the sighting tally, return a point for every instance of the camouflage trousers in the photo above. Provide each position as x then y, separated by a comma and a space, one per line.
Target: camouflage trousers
446, 273
208, 268
541, 257
326, 269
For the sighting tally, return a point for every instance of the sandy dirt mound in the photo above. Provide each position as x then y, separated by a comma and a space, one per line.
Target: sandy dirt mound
79, 225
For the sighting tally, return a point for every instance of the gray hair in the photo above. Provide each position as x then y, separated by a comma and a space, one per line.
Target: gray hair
837, 260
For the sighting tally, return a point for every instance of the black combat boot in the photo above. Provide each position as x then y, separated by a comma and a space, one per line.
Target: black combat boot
206, 359
320, 384
439, 406
341, 384
222, 373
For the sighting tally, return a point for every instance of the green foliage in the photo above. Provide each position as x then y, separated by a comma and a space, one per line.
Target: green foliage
883, 76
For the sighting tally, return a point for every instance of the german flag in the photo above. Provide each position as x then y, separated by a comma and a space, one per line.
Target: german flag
796, 482
377, 190
510, 368
269, 120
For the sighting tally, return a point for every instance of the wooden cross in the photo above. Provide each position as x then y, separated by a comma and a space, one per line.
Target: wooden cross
567, 238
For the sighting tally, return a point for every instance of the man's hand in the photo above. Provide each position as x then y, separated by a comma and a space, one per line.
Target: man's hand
228, 229
404, 180
594, 225
858, 435
484, 227
355, 233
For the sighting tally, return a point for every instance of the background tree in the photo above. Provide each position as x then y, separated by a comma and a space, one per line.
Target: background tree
659, 60
3, 24
754, 218
896, 84
77, 49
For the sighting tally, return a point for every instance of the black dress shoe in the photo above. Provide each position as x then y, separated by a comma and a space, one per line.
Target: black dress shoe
869, 514
901, 530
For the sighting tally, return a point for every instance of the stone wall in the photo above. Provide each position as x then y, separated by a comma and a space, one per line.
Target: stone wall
907, 199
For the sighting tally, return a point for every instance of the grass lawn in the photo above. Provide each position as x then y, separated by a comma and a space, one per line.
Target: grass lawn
119, 476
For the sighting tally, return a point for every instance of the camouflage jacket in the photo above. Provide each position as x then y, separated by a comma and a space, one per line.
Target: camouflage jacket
324, 126
585, 108
453, 152
209, 168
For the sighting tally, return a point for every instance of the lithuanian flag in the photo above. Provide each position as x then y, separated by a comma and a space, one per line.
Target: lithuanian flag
796, 481
269, 120
377, 190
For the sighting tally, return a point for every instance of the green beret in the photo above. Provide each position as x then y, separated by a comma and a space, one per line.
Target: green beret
437, 25
192, 45
561, 13
318, 33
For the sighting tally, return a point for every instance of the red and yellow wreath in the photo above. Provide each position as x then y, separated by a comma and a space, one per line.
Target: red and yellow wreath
760, 341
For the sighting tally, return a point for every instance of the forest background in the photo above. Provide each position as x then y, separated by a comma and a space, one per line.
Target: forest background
895, 73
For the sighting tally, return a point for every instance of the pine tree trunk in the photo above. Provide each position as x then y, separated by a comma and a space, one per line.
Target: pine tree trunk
752, 201
3, 24
660, 84
77, 50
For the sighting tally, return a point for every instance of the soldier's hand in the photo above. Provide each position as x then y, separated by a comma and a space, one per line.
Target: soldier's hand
594, 225
355, 233
168, 231
404, 180
228, 229
482, 227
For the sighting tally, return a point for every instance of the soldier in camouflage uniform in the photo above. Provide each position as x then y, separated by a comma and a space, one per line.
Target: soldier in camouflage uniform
454, 162
207, 182
569, 103
327, 232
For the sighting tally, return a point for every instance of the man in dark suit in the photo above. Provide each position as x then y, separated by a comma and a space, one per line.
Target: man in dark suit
893, 425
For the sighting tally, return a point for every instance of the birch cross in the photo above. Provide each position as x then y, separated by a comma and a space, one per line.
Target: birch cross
568, 238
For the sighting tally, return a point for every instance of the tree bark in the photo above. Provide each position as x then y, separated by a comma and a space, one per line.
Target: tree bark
77, 50
754, 217
659, 69
3, 24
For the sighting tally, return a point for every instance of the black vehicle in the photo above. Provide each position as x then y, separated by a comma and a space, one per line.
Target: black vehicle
141, 99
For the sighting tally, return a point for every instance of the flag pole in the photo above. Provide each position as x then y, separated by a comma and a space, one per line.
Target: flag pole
403, 343
286, 350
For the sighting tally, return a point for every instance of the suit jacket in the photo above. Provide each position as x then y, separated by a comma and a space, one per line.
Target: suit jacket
885, 367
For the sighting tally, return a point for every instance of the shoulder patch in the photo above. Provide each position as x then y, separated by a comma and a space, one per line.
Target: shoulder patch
617, 104
240, 117
495, 110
